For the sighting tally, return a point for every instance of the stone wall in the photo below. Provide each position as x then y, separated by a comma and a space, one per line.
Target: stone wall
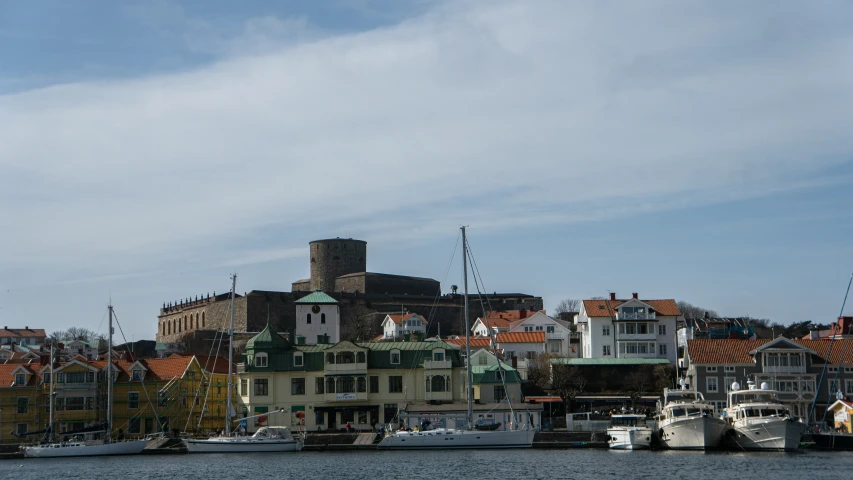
335, 257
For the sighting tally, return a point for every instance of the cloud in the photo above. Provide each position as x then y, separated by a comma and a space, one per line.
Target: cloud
557, 112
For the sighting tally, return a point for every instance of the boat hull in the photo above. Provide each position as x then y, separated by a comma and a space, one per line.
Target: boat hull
80, 449
697, 433
637, 438
771, 435
457, 439
241, 445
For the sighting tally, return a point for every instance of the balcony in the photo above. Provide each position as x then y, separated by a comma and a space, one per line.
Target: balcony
624, 337
785, 369
445, 396
346, 367
345, 397
641, 355
635, 316
554, 336
433, 364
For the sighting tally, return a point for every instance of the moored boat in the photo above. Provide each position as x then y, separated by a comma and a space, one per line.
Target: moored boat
687, 422
759, 421
629, 432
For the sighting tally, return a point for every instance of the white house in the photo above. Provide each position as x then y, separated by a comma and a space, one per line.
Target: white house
521, 348
494, 322
318, 319
395, 326
557, 332
631, 328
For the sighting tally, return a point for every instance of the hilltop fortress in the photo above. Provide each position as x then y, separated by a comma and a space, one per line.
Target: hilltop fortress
338, 268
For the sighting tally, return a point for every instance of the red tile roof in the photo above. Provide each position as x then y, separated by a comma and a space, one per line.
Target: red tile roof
398, 319
7, 378
521, 337
478, 342
607, 308
731, 351
21, 332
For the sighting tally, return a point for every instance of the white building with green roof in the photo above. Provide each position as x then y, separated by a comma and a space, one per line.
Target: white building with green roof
318, 319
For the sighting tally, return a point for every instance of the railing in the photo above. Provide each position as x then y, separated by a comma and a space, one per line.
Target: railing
788, 369
635, 316
346, 367
554, 336
620, 337
437, 364
438, 396
641, 355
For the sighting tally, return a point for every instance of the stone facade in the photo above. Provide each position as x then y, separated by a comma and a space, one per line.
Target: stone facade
335, 257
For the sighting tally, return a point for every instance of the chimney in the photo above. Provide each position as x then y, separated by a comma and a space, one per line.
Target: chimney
814, 334
27, 328
612, 295
634, 295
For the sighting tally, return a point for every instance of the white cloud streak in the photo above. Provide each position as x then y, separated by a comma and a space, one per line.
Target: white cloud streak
496, 110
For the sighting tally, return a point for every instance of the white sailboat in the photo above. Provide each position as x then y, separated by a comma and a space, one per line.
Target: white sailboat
455, 438
759, 421
687, 422
266, 439
88, 448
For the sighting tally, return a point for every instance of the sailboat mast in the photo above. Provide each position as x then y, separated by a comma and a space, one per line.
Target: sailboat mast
467, 331
109, 376
51, 387
230, 358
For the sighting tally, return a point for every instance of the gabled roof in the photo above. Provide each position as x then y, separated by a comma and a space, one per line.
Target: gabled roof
22, 332
723, 352
387, 346
476, 342
520, 337
317, 297
838, 404
398, 318
606, 308
781, 342
7, 374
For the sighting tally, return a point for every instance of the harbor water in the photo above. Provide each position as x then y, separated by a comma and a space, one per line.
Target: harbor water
587, 464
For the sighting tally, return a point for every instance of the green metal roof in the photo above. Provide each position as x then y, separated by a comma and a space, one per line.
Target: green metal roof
317, 297
266, 339
314, 348
387, 346
588, 362
492, 374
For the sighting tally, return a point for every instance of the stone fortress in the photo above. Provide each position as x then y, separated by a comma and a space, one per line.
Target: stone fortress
339, 268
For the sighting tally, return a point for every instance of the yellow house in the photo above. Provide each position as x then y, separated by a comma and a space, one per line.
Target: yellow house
841, 412
20, 398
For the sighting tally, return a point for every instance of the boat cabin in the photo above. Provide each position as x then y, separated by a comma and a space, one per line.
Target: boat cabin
627, 420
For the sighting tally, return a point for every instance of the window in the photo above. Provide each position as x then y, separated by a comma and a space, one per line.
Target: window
360, 357
163, 400
395, 384
728, 382
134, 426
605, 350
345, 384
262, 386
661, 349
438, 383
500, 393
395, 357
848, 387
78, 377
374, 384
136, 375
23, 404
308, 318
482, 360
438, 356
244, 386
20, 379
832, 369
297, 386
661, 329
297, 359
322, 318
528, 328
605, 330
833, 387
360, 384
710, 369
711, 384
642, 328
202, 319
22, 428
46, 378
555, 347
549, 329
132, 399
261, 360
330, 385
630, 329
330, 358
729, 369
319, 384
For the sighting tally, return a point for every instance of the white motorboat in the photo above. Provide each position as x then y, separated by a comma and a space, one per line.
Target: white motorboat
687, 422
266, 439
629, 432
88, 448
759, 421
440, 438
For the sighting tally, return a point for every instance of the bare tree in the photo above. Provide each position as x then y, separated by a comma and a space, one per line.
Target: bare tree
539, 371
568, 381
690, 311
568, 305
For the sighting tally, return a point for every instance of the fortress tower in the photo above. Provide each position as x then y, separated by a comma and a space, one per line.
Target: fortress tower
333, 258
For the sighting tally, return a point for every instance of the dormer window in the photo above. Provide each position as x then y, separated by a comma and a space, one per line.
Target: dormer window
261, 360
438, 355
395, 357
20, 379
297, 359
137, 375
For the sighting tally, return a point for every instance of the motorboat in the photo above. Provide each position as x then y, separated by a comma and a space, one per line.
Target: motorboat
687, 422
759, 421
629, 432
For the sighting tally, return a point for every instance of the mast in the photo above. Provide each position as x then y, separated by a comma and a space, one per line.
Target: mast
467, 331
230, 358
109, 376
50, 396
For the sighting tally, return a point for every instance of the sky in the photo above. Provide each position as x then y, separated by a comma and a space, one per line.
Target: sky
699, 151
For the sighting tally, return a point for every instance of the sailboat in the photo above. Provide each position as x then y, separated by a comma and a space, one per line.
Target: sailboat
456, 438
87, 448
266, 439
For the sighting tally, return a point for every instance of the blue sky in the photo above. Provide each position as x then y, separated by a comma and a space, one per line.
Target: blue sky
690, 150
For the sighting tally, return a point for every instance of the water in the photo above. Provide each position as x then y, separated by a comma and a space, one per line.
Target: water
587, 464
